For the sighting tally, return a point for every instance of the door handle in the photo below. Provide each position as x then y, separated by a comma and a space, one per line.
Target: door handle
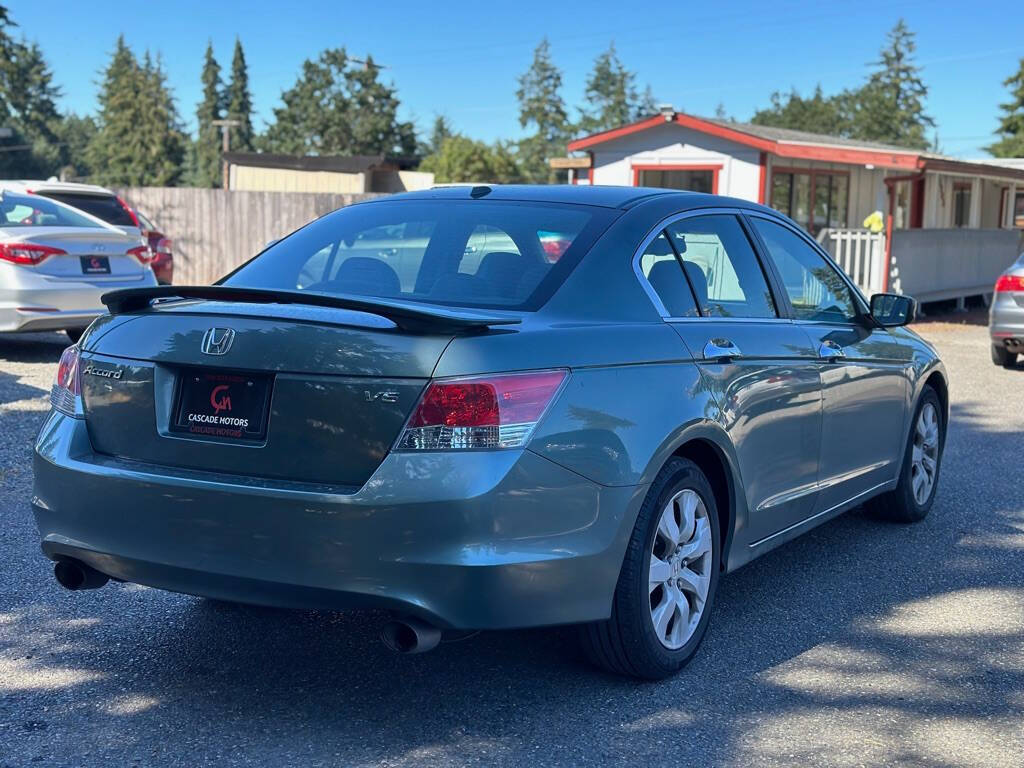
721, 349
830, 351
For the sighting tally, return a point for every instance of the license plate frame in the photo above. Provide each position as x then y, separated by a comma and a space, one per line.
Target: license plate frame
223, 405
95, 265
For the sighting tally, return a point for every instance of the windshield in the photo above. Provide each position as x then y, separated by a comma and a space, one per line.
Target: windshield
470, 253
36, 211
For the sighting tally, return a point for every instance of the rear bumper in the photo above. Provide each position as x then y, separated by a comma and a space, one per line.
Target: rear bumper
37, 303
483, 540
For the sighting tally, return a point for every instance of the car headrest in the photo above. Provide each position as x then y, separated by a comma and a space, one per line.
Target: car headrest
504, 271
666, 278
699, 281
454, 286
366, 276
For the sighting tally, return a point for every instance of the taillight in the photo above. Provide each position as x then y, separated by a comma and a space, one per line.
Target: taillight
66, 393
27, 253
163, 245
142, 253
480, 412
1009, 283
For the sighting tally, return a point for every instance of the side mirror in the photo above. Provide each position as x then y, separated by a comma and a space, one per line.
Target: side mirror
891, 310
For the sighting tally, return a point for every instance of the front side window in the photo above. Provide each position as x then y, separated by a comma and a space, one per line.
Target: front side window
814, 287
474, 253
722, 267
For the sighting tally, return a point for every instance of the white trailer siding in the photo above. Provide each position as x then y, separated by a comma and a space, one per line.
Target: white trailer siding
671, 145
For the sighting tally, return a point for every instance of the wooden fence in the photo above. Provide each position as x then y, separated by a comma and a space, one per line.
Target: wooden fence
215, 230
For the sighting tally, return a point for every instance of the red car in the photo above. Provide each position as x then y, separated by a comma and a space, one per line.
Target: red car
160, 245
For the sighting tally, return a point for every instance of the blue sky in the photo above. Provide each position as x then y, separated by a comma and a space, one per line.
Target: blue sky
462, 58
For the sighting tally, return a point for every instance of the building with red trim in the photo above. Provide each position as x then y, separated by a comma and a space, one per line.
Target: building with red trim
830, 185
820, 181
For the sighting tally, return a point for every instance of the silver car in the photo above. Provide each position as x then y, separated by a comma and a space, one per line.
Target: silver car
56, 262
1006, 316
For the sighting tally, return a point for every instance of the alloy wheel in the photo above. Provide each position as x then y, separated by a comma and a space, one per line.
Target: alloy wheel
925, 453
680, 570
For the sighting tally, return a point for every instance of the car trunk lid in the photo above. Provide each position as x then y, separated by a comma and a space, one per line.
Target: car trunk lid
94, 255
325, 390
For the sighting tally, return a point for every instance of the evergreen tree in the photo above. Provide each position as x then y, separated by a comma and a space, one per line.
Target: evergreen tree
890, 106
610, 94
139, 141
441, 130
817, 114
1011, 124
373, 115
165, 141
541, 108
460, 159
27, 106
75, 134
335, 108
239, 101
207, 172
647, 106
6, 54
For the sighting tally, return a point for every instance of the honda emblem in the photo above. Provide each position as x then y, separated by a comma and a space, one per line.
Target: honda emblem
217, 341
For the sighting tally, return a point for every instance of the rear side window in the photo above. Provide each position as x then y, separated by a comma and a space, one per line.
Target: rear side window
471, 253
722, 267
105, 207
664, 274
34, 211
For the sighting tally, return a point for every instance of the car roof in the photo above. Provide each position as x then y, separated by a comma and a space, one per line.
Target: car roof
39, 185
582, 194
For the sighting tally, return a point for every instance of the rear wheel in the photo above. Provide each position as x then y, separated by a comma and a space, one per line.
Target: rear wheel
1002, 356
667, 585
912, 498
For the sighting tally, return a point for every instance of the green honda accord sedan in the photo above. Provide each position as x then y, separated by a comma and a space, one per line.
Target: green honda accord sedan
491, 407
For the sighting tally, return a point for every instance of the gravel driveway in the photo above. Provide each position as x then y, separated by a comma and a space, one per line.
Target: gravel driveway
861, 643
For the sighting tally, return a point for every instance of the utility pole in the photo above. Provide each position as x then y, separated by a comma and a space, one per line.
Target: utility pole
368, 64
225, 146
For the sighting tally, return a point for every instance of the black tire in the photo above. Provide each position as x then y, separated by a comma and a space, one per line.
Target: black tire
74, 334
626, 642
899, 504
1002, 356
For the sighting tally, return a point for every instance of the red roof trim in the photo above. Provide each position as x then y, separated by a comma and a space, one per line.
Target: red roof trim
799, 151
615, 133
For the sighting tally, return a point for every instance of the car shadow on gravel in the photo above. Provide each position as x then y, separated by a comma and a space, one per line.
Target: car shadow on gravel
31, 347
860, 643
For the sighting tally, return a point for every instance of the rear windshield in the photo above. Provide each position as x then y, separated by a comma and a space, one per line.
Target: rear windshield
35, 211
471, 253
105, 207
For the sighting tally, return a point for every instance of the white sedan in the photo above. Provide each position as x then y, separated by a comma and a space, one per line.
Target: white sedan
56, 262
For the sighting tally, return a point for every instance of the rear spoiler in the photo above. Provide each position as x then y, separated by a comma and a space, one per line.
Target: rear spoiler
415, 318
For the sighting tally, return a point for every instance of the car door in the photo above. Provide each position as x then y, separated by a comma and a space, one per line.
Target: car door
760, 367
863, 367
